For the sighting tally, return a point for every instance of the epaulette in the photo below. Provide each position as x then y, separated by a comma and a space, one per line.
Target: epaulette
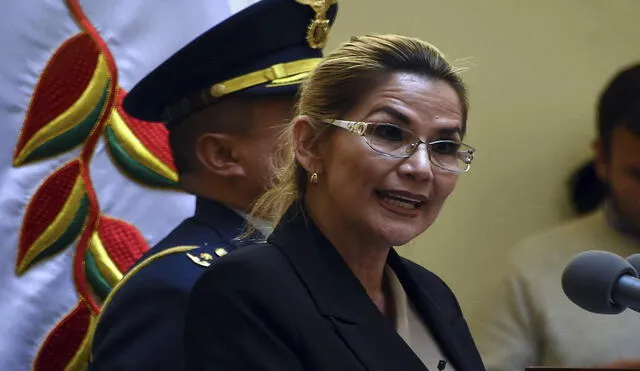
205, 255
202, 258
148, 260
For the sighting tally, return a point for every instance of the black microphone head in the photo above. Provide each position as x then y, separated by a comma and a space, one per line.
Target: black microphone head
589, 278
634, 260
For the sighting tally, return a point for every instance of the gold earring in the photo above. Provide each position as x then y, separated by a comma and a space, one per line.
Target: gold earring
314, 178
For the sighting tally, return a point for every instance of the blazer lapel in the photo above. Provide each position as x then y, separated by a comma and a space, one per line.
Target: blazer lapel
339, 295
377, 345
439, 322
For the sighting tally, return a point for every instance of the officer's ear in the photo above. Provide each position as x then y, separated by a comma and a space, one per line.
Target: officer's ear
218, 154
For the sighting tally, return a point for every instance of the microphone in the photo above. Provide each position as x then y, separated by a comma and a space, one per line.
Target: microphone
601, 282
634, 260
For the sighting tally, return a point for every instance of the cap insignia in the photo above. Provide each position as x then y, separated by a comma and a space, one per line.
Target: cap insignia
319, 27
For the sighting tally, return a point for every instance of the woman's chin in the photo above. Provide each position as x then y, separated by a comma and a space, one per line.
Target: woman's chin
397, 228
397, 234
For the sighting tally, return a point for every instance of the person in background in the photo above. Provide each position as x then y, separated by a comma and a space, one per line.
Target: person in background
224, 97
533, 323
368, 162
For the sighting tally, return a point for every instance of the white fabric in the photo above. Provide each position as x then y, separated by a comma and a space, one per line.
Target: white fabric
412, 328
140, 35
532, 322
264, 227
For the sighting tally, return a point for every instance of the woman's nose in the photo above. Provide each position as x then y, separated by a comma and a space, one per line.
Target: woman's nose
418, 166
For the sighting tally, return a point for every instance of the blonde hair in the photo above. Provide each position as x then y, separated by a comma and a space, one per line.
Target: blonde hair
336, 86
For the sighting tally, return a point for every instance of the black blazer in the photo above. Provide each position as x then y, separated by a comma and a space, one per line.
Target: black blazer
292, 303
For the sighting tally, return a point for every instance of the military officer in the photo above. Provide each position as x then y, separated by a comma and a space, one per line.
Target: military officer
224, 98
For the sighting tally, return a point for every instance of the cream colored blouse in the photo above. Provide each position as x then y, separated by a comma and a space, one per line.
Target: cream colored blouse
413, 330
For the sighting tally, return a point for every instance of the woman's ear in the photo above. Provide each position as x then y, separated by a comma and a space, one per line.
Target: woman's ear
216, 154
306, 144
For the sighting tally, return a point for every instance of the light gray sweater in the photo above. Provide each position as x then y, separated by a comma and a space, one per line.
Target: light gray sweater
531, 322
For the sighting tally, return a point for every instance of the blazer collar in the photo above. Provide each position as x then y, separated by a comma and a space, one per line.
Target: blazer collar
339, 295
341, 298
335, 288
220, 218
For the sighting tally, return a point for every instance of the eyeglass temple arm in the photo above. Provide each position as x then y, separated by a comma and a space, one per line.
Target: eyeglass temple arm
353, 126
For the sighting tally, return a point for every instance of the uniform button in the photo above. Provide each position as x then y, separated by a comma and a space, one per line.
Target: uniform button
220, 251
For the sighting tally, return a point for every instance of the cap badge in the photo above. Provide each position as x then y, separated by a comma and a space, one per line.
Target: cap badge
319, 27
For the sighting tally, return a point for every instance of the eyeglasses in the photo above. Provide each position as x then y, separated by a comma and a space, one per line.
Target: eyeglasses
399, 142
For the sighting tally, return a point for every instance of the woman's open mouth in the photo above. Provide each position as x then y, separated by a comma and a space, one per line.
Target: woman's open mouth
402, 199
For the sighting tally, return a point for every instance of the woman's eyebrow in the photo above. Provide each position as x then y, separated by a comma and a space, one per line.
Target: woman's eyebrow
397, 115
449, 131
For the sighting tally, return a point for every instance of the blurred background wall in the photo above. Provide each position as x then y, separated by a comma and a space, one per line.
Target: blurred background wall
536, 69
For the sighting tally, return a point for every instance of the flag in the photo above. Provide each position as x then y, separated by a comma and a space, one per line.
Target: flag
85, 189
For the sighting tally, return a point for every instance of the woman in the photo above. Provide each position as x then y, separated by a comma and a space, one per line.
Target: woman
372, 156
